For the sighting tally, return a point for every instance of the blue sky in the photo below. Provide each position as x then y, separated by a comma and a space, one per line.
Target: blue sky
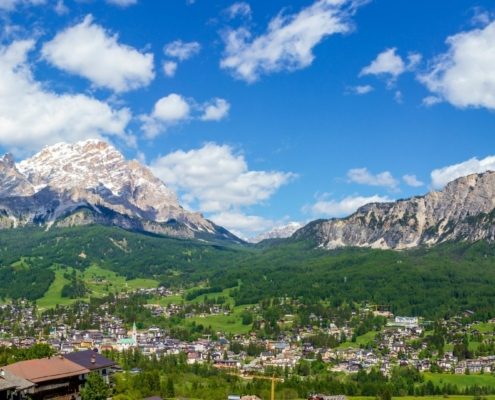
259, 112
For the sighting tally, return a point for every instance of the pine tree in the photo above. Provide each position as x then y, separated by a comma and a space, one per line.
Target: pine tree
169, 389
95, 388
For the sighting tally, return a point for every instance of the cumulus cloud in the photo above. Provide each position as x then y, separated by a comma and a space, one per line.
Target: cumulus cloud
481, 17
239, 9
122, 3
463, 76
169, 110
441, 176
412, 180
216, 110
182, 50
365, 177
387, 62
242, 225
326, 207
288, 42
170, 68
217, 179
32, 115
88, 50
175, 108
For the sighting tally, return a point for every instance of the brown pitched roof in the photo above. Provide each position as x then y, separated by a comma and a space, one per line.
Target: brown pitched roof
46, 369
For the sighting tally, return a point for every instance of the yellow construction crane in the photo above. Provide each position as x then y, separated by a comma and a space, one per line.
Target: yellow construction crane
273, 387
272, 378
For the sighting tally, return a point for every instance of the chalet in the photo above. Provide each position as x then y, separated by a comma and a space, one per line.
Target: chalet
52, 377
12, 386
93, 361
6, 387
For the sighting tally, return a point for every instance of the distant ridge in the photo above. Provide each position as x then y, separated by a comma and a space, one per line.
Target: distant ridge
462, 211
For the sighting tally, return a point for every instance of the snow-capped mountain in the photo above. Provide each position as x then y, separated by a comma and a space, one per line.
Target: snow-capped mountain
279, 232
91, 182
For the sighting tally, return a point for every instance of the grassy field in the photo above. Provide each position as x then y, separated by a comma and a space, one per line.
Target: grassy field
484, 327
224, 323
461, 380
53, 295
362, 340
225, 293
166, 301
102, 282
99, 281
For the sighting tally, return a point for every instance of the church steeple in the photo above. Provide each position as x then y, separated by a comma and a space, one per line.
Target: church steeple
134, 333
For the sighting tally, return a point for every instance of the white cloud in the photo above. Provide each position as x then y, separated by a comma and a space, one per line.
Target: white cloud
174, 109
464, 76
325, 207
182, 50
239, 9
32, 115
88, 50
413, 60
412, 181
481, 17
170, 68
171, 108
10, 5
61, 8
429, 101
441, 176
242, 225
288, 42
387, 62
364, 177
122, 3
216, 110
217, 179
361, 89
168, 111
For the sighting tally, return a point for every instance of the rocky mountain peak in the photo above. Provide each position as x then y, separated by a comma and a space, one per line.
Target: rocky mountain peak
278, 232
94, 175
463, 210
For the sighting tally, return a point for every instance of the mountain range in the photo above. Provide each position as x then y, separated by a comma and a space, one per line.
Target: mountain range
91, 182
462, 211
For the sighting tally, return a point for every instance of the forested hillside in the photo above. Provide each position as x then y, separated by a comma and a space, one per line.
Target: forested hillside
431, 282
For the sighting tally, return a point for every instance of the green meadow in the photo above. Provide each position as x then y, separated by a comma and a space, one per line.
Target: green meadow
461, 381
99, 281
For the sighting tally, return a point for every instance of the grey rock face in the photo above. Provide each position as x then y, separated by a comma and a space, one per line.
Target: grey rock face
463, 210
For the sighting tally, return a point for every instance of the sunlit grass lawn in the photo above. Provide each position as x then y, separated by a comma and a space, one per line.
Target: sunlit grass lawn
99, 281
461, 380
224, 323
362, 340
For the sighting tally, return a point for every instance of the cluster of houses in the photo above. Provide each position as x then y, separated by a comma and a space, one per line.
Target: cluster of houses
391, 347
60, 377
